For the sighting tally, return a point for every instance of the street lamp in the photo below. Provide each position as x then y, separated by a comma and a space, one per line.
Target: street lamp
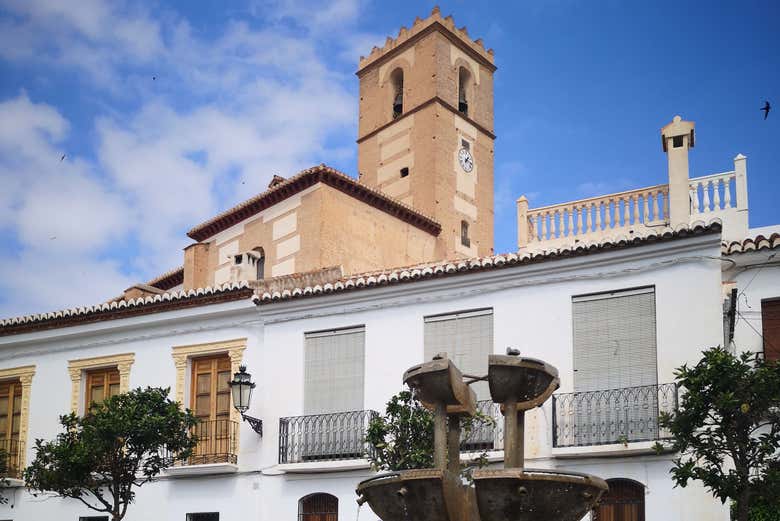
241, 387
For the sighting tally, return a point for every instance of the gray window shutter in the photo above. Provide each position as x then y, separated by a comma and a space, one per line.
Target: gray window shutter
334, 371
615, 340
467, 338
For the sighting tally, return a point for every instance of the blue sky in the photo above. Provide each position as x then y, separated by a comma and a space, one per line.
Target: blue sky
168, 112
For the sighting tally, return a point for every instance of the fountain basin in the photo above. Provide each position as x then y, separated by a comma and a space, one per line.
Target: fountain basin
417, 495
528, 380
535, 494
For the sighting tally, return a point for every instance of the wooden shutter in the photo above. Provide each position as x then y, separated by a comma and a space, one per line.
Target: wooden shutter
467, 338
210, 389
10, 410
334, 368
101, 384
615, 340
770, 323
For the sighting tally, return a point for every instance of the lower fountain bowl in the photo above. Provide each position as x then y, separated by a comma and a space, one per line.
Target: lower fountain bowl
413, 495
531, 495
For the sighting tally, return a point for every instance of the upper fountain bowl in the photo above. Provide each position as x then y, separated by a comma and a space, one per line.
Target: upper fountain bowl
527, 380
440, 381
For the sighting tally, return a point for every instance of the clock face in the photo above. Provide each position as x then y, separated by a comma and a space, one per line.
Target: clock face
465, 160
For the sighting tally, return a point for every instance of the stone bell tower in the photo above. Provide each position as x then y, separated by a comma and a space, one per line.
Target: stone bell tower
425, 133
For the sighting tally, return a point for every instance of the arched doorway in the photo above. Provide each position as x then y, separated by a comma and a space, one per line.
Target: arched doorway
625, 501
318, 507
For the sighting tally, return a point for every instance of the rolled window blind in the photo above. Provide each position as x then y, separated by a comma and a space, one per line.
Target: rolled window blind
467, 338
334, 371
615, 340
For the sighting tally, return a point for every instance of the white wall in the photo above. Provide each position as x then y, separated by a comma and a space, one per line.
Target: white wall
532, 311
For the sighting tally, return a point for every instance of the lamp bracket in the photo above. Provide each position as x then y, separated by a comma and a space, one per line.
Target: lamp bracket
255, 423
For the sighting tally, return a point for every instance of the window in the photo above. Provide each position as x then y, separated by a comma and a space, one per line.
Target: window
465, 144
625, 501
93, 518
614, 340
334, 371
397, 83
207, 516
210, 400
101, 384
318, 507
464, 78
260, 263
770, 324
405, 171
10, 421
677, 141
464, 234
467, 338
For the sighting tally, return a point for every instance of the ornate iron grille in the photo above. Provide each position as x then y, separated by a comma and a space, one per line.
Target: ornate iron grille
611, 416
217, 443
11, 452
483, 437
324, 437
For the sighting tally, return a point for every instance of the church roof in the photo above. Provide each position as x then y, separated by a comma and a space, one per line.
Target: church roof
304, 179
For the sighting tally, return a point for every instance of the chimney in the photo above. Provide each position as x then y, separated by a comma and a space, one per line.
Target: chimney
196, 259
677, 137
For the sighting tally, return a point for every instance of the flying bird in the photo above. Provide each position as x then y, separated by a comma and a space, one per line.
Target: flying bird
766, 108
154, 78
62, 158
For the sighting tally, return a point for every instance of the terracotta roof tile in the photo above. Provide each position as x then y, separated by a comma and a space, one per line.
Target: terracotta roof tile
169, 279
240, 290
757, 243
446, 268
302, 180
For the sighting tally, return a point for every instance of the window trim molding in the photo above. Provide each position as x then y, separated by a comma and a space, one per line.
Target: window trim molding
78, 367
183, 354
25, 375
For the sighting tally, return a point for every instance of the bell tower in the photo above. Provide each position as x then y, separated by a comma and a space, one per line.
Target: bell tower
425, 132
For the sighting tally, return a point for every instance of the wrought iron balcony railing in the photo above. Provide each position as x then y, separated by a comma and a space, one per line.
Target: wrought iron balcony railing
217, 443
324, 437
483, 437
611, 416
11, 452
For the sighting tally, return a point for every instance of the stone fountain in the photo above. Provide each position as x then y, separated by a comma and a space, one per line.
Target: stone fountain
513, 493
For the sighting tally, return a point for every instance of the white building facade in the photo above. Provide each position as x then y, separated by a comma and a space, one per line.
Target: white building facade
318, 352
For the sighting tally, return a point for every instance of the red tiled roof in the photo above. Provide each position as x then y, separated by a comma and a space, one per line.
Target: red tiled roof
244, 290
447, 268
757, 243
302, 180
169, 279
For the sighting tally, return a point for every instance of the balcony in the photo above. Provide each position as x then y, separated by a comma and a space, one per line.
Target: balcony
11, 452
324, 437
485, 438
216, 452
614, 416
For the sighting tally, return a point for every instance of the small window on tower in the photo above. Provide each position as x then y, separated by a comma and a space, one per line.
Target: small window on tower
260, 262
397, 82
405, 171
465, 144
464, 234
677, 141
463, 86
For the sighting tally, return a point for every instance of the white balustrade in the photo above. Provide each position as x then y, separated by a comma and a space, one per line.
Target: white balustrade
597, 216
706, 193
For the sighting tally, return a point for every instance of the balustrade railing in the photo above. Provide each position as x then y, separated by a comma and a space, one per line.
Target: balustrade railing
217, 443
611, 416
324, 437
11, 453
484, 437
598, 215
713, 193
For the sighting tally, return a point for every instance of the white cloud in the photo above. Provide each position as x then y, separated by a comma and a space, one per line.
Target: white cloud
225, 113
